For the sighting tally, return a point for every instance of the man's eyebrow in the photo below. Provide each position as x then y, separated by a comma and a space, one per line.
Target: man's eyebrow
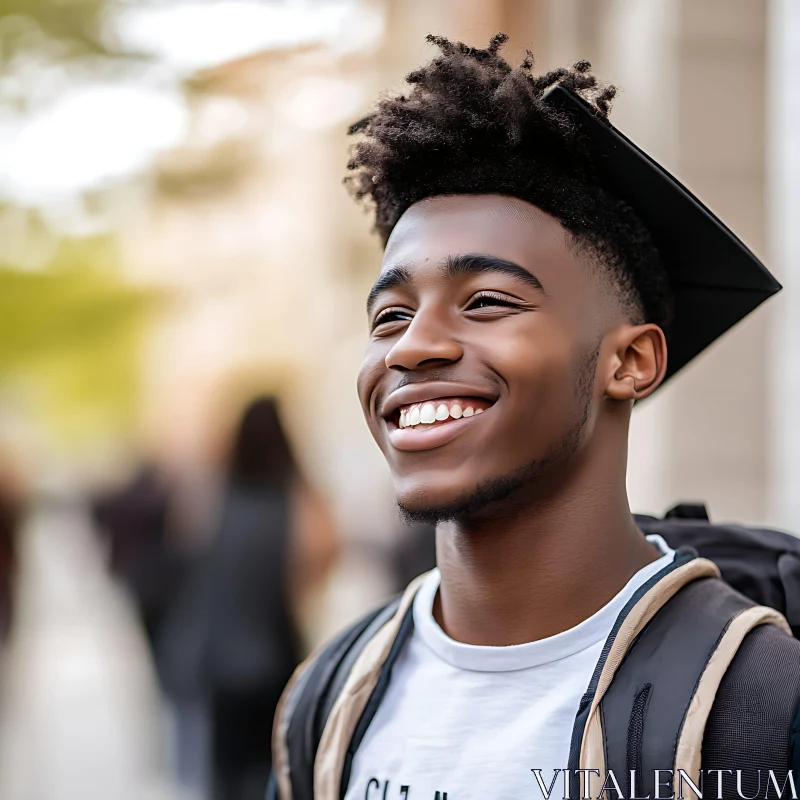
476, 263
393, 277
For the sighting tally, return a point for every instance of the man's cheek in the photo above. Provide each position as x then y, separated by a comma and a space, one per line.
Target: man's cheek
368, 377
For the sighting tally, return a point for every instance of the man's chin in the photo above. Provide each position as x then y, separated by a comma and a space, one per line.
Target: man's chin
413, 513
429, 508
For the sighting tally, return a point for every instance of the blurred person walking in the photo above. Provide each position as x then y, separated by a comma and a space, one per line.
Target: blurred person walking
135, 520
236, 640
78, 697
10, 514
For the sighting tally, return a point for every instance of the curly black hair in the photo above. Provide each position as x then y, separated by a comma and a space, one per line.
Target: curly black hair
473, 124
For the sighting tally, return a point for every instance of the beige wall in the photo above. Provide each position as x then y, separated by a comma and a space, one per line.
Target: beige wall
783, 203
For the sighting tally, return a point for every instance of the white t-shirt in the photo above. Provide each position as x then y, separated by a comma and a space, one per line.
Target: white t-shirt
460, 721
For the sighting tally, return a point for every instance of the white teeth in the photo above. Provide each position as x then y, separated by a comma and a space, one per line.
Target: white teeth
428, 414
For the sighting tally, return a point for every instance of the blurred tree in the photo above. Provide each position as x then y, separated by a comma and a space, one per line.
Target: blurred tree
72, 333
47, 44
75, 24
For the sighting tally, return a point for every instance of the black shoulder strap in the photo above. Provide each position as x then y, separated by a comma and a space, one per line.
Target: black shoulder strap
321, 685
644, 708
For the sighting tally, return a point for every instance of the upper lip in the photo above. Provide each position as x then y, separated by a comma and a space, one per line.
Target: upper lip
431, 390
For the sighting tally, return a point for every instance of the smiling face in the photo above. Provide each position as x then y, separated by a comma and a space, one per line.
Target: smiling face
480, 377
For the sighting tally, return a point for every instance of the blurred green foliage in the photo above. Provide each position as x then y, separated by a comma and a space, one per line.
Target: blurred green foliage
71, 335
75, 25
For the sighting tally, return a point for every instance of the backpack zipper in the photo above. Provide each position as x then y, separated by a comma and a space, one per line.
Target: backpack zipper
635, 736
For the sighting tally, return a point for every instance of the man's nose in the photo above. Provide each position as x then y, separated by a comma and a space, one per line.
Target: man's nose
425, 342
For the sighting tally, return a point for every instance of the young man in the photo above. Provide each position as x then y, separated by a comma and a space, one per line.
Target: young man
535, 275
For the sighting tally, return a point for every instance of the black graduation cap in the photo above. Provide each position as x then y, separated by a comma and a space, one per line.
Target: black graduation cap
715, 279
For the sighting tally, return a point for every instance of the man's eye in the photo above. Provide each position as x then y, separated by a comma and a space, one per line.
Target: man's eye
488, 301
391, 315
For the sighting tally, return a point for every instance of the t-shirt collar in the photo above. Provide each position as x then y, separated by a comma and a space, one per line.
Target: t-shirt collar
586, 634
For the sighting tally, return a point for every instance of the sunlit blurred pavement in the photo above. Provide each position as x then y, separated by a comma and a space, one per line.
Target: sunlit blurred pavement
80, 716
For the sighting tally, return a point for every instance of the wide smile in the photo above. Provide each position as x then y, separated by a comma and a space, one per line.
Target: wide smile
437, 412
417, 419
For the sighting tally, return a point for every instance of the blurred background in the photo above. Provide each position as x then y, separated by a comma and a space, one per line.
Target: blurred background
189, 498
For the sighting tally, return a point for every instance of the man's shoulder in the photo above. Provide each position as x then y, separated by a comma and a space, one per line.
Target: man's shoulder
351, 638
767, 663
756, 706
308, 699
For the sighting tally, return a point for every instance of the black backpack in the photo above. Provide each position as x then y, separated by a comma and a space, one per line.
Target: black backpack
762, 564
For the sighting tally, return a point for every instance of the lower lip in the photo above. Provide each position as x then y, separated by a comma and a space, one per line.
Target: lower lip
414, 439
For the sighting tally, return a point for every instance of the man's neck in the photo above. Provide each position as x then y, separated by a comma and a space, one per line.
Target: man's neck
539, 570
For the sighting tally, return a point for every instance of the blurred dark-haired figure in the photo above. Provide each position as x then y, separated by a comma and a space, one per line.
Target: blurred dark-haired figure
238, 633
10, 514
134, 518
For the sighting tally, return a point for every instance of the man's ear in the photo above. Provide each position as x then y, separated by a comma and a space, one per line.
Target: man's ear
639, 362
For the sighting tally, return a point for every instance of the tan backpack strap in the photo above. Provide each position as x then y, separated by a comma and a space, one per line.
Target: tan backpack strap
352, 701
689, 748
592, 752
306, 703
280, 726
